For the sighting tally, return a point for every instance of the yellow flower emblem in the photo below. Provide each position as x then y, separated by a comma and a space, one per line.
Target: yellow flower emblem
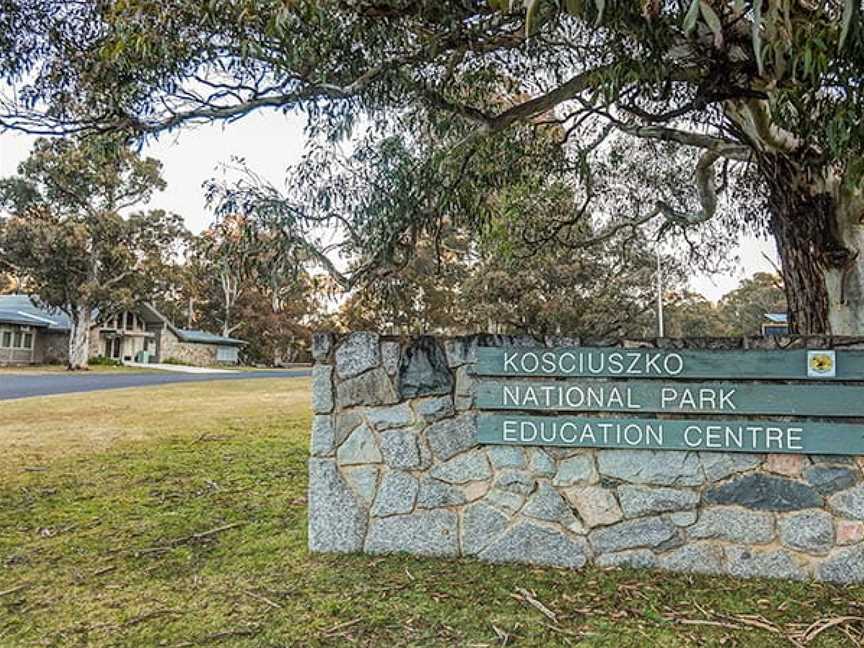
821, 363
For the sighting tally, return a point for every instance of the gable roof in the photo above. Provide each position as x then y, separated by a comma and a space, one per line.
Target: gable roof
22, 310
777, 318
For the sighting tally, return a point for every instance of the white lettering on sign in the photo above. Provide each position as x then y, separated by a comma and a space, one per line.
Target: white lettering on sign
608, 396
652, 434
509, 431
572, 396
589, 434
623, 363
684, 398
743, 437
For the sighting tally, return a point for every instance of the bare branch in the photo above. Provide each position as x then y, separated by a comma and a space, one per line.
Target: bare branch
705, 187
612, 230
343, 280
722, 147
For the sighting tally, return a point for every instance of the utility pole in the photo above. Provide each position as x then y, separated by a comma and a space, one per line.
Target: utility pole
659, 297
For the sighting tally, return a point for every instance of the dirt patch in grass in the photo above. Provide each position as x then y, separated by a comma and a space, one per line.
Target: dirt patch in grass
194, 534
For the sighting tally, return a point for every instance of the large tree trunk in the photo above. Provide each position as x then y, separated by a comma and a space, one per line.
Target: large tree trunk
79, 339
818, 229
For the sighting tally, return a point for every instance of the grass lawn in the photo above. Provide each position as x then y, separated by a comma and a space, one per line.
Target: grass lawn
176, 516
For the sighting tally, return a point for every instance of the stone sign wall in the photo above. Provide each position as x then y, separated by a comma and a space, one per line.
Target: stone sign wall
396, 466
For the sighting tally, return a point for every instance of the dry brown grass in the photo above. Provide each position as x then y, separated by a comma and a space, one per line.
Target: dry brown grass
34, 431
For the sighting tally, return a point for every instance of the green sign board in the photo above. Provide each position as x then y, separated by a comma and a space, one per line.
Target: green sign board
590, 362
641, 398
807, 437
638, 396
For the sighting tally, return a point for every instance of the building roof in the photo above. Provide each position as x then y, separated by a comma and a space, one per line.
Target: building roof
14, 317
203, 337
777, 318
22, 310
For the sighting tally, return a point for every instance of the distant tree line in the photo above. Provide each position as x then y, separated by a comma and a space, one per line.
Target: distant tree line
739, 312
75, 236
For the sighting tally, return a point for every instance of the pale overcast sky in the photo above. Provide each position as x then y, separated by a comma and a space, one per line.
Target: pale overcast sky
269, 142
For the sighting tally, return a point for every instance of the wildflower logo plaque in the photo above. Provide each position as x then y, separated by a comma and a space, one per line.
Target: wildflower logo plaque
821, 364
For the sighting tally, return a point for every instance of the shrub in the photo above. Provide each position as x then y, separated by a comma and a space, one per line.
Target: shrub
175, 361
102, 361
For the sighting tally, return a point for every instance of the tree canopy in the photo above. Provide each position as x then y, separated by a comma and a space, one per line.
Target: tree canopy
744, 308
690, 122
67, 237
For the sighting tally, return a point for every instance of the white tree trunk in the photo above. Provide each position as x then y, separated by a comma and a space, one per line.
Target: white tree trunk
818, 226
230, 293
845, 285
79, 339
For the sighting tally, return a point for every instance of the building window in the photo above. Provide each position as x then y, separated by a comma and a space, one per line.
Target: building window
130, 321
17, 338
226, 354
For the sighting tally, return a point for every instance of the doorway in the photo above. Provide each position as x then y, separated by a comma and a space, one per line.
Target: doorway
113, 347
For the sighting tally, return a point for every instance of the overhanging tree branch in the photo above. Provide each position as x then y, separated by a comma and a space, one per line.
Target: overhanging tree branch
706, 190
705, 187
722, 147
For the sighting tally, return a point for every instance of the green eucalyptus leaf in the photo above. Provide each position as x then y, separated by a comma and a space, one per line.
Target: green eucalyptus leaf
849, 10
531, 9
574, 7
691, 17
757, 35
601, 8
779, 59
713, 21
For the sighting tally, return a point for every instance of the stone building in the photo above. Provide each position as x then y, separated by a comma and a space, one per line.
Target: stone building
30, 334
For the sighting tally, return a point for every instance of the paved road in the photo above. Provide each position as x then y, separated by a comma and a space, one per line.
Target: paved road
24, 385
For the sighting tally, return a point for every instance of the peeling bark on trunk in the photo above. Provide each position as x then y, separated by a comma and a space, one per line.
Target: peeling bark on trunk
79, 339
819, 236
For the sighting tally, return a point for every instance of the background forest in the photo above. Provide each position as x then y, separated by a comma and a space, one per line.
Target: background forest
75, 235
231, 282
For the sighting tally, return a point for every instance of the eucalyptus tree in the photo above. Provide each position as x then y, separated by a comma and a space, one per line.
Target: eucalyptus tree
451, 103
743, 310
222, 259
67, 238
248, 278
